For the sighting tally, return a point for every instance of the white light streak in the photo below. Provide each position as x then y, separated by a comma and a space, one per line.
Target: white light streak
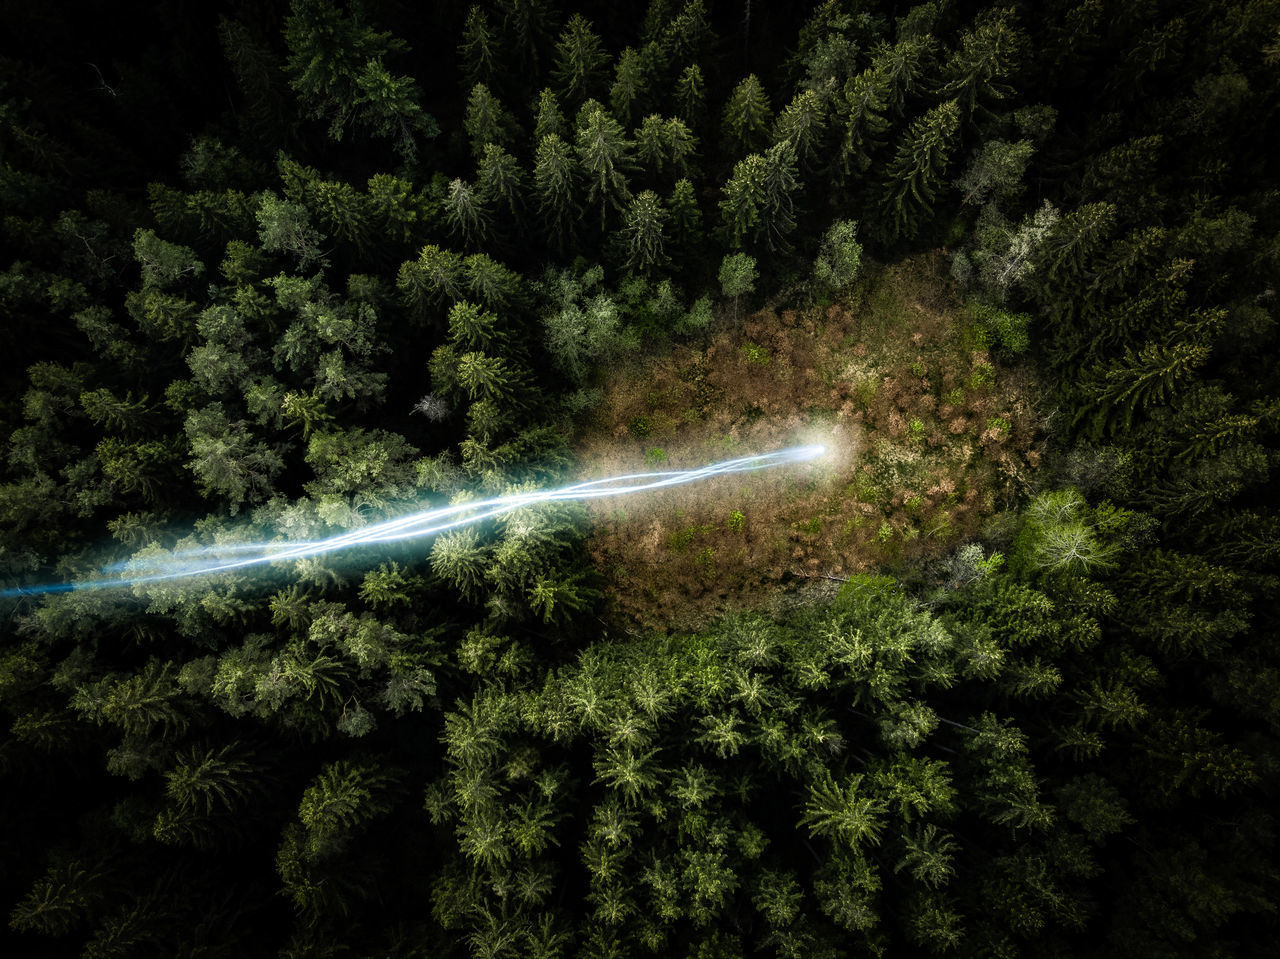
236, 556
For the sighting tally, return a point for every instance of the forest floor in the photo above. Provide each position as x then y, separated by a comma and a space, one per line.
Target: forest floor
926, 436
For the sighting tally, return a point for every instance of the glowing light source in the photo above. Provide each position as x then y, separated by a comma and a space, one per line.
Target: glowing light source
234, 556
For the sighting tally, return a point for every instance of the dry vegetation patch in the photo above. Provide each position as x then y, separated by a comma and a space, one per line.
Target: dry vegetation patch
928, 435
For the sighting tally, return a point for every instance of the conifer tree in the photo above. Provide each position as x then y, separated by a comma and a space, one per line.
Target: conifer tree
555, 182
988, 54
468, 213
478, 49
528, 27
501, 183
742, 199
690, 95
336, 66
918, 167
628, 89
688, 35
580, 62
604, 156
902, 68
486, 121
643, 231
862, 111
779, 188
825, 54
801, 125
746, 118
548, 118
684, 215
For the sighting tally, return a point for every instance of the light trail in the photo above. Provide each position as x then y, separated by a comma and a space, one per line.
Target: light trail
234, 556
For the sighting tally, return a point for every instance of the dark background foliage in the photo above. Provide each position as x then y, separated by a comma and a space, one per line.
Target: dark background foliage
276, 267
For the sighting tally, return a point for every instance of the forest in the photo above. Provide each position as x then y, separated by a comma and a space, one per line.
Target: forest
997, 676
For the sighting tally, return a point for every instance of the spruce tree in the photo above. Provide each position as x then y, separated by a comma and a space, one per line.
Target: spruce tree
918, 167
643, 231
555, 183
801, 125
604, 156
478, 49
486, 121
976, 73
468, 213
861, 109
580, 62
628, 90
745, 122
690, 95
548, 117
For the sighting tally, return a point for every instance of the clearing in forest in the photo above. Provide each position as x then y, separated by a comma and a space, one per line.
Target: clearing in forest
926, 436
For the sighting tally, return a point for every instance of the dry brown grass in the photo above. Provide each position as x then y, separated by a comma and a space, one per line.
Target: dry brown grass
927, 438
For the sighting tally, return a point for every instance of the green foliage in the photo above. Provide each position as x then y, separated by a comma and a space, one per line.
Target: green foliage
486, 121
285, 227
839, 259
738, 275
336, 67
1008, 329
921, 159
604, 156
643, 231
580, 61
584, 327
1058, 739
747, 116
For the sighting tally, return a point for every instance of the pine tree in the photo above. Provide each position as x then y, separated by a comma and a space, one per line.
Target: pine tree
491, 282
825, 54
861, 109
801, 124
402, 213
688, 35
579, 68
468, 213
500, 183
661, 142
1073, 242
604, 155
988, 54
343, 212
434, 277
901, 69
343, 797
458, 558
335, 65
651, 143
779, 187
486, 121
628, 89
1143, 378
918, 166
746, 118
555, 182
742, 199
548, 118
471, 328
844, 812
690, 95
643, 232
478, 49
